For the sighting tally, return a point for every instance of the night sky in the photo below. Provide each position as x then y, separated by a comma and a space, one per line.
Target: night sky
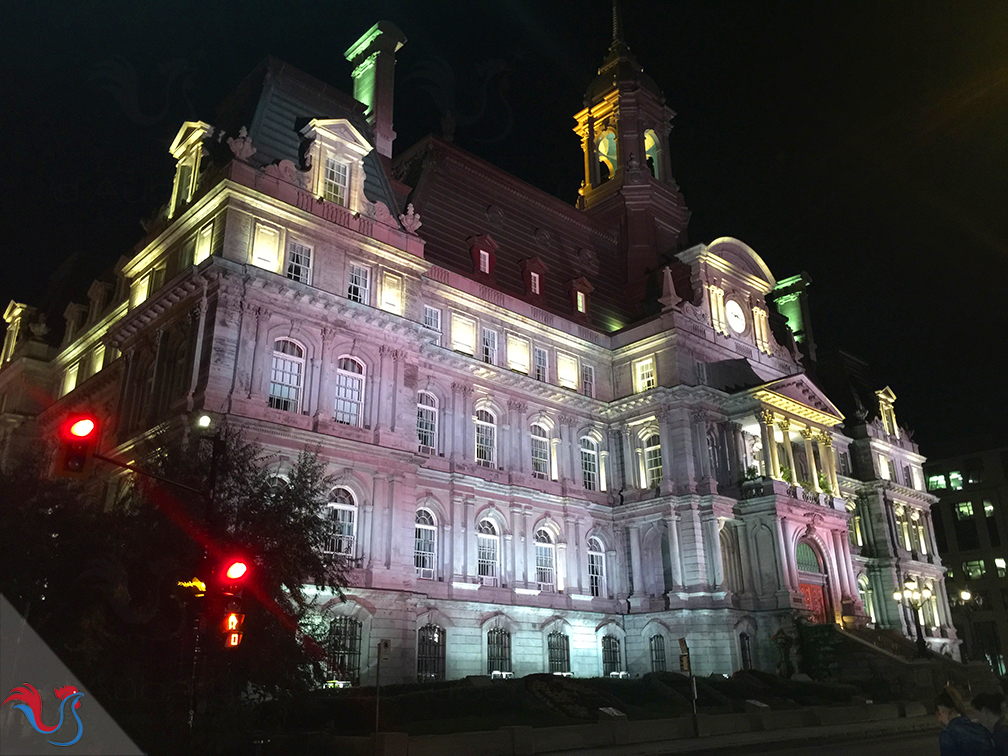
863, 143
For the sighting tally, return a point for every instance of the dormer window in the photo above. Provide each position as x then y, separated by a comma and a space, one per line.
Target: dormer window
535, 288
187, 149
580, 289
483, 250
335, 151
582, 302
534, 273
336, 182
484, 262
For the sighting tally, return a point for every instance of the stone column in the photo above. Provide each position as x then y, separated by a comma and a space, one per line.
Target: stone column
635, 561
740, 452
842, 571
518, 559
326, 392
748, 583
929, 530
261, 355
807, 434
675, 553
785, 425
368, 530
765, 419
712, 533
569, 471
825, 442
677, 463
784, 541
629, 475
372, 538
848, 565
469, 531
157, 384
199, 314
613, 578
699, 431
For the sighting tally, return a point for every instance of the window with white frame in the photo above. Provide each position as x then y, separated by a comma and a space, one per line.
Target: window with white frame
391, 297
652, 460
138, 290
487, 553
341, 514
98, 359
518, 353
266, 247
463, 334
582, 302
490, 346
425, 545
432, 321
204, 241
545, 561
336, 181
589, 464
484, 259
596, 568
359, 287
286, 375
540, 363
486, 438
535, 282
427, 420
539, 440
588, 381
70, 379
349, 392
299, 258
567, 370
644, 375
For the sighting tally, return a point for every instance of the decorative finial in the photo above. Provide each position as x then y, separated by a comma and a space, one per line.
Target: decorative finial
617, 22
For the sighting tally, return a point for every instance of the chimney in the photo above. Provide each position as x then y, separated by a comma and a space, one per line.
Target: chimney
373, 59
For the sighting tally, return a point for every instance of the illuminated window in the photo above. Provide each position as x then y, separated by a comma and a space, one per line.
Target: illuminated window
463, 334
204, 241
936, 482
539, 439
336, 181
588, 380
589, 464
341, 514
359, 287
266, 247
432, 321
607, 161
545, 561
988, 506
955, 481
974, 569
70, 379
349, 392
581, 302
652, 153
425, 545
558, 650
964, 510
343, 645
658, 653
484, 261
884, 464
540, 363
138, 290
535, 282
999, 564
611, 658
487, 553
644, 375
286, 376
486, 438
652, 460
98, 359
489, 346
431, 646
518, 353
596, 568
427, 420
299, 262
867, 596
567, 371
392, 293
498, 650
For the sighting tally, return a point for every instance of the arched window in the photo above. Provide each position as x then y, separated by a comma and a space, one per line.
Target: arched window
341, 511
286, 376
558, 650
343, 646
425, 545
545, 561
806, 558
487, 553
486, 438
745, 650
540, 452
596, 567
658, 653
589, 464
867, 596
652, 153
652, 460
426, 422
607, 156
431, 647
498, 650
349, 392
611, 661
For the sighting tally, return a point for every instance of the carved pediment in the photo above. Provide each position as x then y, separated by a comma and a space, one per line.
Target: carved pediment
798, 395
339, 129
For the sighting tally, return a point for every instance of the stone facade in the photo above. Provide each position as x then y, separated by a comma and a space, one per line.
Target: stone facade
562, 441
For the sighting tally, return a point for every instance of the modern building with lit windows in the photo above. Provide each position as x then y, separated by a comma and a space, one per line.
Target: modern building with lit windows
562, 437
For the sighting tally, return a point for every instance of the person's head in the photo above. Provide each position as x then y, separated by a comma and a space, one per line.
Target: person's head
948, 706
989, 704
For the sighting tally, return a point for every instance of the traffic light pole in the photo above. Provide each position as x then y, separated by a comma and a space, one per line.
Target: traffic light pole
145, 473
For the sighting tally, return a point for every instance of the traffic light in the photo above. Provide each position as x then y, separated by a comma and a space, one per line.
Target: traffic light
232, 575
233, 622
78, 436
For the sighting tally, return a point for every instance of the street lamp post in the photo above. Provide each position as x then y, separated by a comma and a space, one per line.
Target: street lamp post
966, 601
914, 598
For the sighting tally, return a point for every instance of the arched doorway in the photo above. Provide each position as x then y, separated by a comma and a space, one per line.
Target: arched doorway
812, 581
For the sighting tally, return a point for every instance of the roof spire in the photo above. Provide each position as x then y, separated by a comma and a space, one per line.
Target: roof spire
617, 22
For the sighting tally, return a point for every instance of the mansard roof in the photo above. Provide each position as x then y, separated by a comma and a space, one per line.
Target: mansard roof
460, 196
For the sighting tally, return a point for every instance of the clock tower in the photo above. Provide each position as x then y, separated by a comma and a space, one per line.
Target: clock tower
624, 130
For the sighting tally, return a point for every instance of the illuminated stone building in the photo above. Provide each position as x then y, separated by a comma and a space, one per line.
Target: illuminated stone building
563, 437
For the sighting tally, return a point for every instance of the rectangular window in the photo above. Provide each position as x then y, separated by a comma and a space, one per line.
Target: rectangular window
138, 290
392, 293
463, 334
535, 282
936, 482
424, 549
426, 423
540, 363
336, 181
1000, 566
204, 240
644, 375
652, 461
343, 645
187, 253
567, 371
349, 393
98, 359
545, 567
489, 346
611, 657
540, 452
658, 654
518, 353
596, 573
486, 558
484, 261
581, 302
266, 247
964, 510
359, 287
955, 481
883, 463
157, 277
588, 380
845, 468
299, 258
498, 650
432, 321
589, 465
558, 649
974, 569
70, 379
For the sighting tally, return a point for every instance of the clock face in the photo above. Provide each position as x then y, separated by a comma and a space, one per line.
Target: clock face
736, 316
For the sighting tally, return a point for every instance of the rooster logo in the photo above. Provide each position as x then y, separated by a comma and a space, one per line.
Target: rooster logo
30, 704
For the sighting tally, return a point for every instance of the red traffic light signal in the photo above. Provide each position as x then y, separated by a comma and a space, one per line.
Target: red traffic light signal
232, 574
233, 622
78, 437
236, 570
